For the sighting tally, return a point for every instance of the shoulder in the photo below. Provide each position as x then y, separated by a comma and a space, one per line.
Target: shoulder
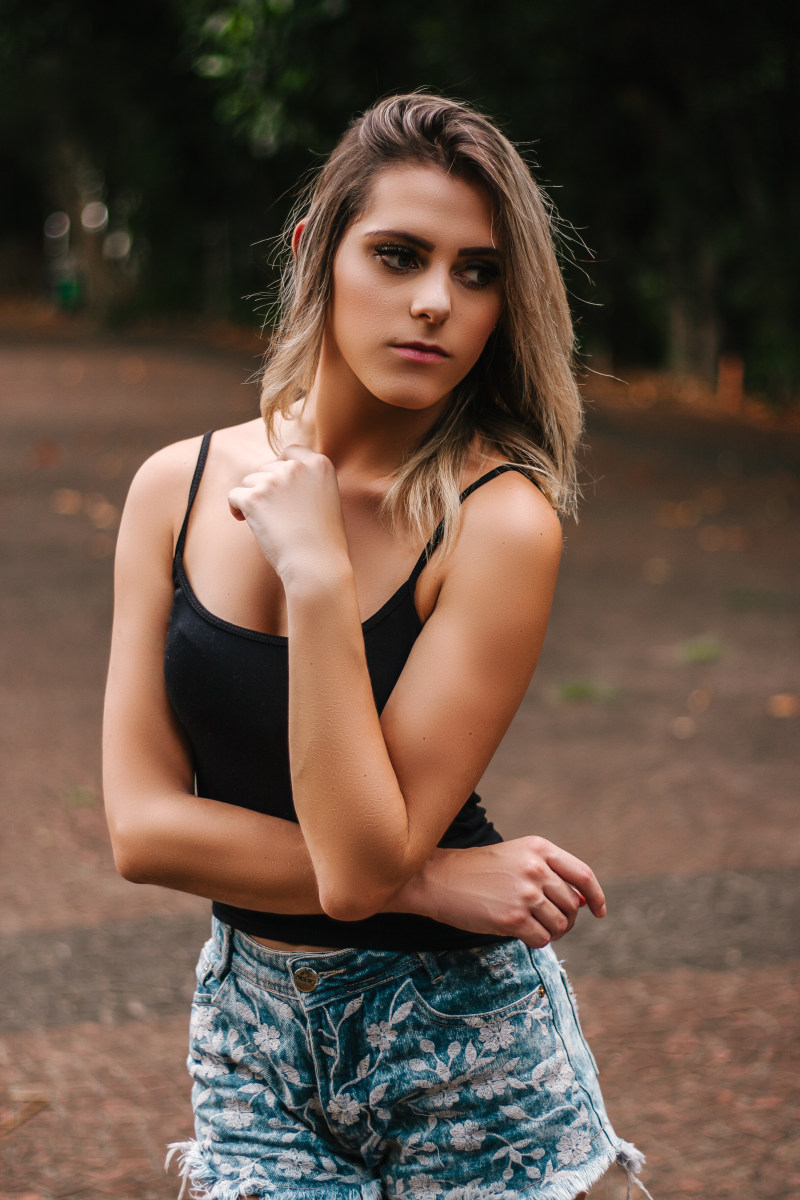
508, 514
156, 502
168, 470
505, 562
159, 492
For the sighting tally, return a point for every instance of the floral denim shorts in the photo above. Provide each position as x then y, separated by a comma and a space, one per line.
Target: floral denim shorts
367, 1074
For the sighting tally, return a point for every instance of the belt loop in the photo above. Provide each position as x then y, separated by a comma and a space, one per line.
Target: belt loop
222, 968
431, 965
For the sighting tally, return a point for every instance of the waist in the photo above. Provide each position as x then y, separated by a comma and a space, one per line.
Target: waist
315, 933
289, 947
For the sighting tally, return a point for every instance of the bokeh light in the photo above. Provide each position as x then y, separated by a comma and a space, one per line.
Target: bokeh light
94, 216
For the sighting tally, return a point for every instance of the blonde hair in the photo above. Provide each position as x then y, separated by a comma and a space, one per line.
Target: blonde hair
520, 401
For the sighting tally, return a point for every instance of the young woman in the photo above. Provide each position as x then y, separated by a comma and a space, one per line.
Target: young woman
312, 665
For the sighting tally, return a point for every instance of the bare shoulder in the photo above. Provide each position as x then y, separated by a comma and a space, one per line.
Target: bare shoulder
508, 515
505, 562
162, 483
168, 470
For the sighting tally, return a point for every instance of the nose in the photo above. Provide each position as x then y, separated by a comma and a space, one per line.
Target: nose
431, 298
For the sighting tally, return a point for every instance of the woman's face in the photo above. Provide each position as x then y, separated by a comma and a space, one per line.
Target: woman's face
416, 288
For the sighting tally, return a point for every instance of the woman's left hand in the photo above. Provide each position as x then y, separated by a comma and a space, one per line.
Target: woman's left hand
294, 509
527, 888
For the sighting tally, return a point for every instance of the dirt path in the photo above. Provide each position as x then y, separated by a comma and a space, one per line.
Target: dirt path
659, 740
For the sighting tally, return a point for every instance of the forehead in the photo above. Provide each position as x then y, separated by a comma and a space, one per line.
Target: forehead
430, 203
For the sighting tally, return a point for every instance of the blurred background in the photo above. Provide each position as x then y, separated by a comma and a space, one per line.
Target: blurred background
149, 155
149, 152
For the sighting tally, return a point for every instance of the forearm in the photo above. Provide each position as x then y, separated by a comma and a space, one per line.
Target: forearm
346, 794
250, 860
201, 846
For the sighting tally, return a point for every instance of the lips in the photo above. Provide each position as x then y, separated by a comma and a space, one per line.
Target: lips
421, 351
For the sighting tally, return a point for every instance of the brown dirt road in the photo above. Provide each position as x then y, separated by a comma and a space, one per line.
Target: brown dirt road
659, 740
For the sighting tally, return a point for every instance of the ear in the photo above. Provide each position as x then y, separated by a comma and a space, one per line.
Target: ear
298, 233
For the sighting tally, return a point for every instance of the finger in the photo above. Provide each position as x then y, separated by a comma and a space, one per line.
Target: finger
535, 935
302, 454
563, 896
557, 917
236, 498
580, 876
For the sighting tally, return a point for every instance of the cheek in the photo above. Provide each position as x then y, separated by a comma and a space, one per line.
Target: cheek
357, 311
482, 326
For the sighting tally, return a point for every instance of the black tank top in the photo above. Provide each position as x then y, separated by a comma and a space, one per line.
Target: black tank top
229, 687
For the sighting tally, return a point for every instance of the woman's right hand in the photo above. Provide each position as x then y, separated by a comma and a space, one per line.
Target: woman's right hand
527, 888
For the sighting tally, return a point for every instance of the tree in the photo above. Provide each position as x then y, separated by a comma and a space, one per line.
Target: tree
670, 139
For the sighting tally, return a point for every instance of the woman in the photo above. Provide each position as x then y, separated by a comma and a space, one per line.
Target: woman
379, 994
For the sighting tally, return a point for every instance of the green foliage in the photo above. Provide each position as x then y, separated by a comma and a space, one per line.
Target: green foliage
252, 50
671, 140
700, 651
82, 797
587, 691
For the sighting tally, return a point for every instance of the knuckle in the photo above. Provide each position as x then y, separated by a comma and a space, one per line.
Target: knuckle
513, 923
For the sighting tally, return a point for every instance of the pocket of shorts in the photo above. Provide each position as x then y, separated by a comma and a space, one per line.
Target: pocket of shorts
208, 986
475, 987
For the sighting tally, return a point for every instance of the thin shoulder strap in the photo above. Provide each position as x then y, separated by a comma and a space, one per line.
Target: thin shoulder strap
198, 475
438, 532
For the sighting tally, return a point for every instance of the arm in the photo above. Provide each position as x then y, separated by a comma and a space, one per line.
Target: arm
374, 796
163, 834
160, 831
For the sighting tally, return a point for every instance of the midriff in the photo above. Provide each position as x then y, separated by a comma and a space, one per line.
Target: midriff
290, 948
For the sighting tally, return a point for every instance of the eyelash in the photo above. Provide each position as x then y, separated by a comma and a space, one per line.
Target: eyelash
388, 250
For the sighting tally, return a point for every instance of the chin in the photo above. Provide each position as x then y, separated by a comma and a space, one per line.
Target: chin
409, 397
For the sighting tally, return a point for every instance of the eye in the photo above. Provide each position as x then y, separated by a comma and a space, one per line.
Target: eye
480, 273
396, 257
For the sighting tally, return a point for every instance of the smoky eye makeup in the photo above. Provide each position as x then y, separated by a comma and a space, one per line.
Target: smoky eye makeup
400, 257
396, 256
480, 272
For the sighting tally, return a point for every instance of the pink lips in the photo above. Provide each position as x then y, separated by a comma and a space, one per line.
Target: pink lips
423, 352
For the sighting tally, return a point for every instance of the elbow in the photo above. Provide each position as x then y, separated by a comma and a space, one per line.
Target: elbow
129, 847
358, 899
357, 902
128, 861
351, 902
349, 906
356, 894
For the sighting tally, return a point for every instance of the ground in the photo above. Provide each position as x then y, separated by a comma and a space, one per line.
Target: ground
659, 741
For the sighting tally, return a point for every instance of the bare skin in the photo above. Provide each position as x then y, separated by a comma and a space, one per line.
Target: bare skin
311, 559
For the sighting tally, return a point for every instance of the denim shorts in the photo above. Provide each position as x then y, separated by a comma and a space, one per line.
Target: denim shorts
371, 1074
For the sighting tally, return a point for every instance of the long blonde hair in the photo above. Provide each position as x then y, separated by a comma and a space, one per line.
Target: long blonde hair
520, 401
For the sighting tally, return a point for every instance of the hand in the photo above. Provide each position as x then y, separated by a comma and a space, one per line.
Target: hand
293, 507
527, 888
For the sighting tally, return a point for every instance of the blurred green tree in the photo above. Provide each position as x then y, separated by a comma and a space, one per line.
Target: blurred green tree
671, 136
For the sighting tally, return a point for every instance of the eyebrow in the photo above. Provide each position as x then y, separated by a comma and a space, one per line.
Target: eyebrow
415, 240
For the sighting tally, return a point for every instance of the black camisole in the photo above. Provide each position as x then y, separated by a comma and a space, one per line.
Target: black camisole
229, 688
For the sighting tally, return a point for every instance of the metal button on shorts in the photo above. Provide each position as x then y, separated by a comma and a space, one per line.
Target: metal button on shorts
305, 979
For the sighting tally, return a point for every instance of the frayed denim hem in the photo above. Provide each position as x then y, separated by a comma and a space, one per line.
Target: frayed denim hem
200, 1182
566, 1185
631, 1161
